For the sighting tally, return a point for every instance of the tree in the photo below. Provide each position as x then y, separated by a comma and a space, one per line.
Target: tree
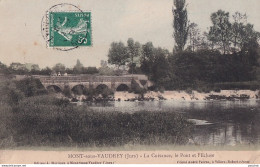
59, 68
180, 24
103, 63
90, 70
220, 31
237, 29
78, 68
117, 54
249, 37
134, 52
18, 68
4, 69
147, 58
160, 67
35, 69
194, 36
46, 71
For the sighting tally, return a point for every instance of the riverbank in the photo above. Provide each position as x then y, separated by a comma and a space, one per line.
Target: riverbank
190, 96
172, 95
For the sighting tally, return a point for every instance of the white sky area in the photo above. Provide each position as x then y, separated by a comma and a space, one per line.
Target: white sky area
112, 20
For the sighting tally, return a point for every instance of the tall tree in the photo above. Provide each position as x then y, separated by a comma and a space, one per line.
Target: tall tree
194, 36
160, 66
220, 31
117, 54
237, 29
180, 24
134, 52
147, 58
249, 37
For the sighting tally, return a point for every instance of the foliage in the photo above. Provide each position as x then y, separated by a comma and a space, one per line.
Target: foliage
106, 71
10, 94
134, 52
180, 24
78, 68
220, 30
231, 37
31, 87
194, 37
253, 85
57, 125
59, 68
45, 71
118, 54
147, 58
4, 69
135, 87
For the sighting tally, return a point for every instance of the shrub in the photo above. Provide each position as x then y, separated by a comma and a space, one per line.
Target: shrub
254, 85
31, 87
10, 94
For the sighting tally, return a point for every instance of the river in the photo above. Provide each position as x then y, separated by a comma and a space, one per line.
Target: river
217, 122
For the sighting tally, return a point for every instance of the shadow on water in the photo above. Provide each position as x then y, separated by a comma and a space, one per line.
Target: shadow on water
217, 122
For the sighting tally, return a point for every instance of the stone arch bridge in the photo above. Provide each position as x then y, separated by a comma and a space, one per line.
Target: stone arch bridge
112, 82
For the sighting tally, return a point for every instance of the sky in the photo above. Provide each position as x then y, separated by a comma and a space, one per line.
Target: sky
112, 21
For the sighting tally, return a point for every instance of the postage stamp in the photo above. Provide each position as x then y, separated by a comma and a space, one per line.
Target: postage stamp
69, 29
65, 27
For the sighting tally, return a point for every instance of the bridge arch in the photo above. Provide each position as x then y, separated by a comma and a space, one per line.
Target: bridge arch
101, 87
122, 87
78, 89
54, 88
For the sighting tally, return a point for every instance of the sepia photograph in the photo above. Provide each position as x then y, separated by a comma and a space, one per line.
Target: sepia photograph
125, 81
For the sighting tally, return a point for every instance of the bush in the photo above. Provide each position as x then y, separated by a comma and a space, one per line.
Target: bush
10, 94
31, 87
253, 85
6, 131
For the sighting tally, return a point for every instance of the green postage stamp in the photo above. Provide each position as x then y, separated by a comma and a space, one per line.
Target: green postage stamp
70, 29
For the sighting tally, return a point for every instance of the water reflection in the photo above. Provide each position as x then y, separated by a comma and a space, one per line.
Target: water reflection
232, 122
225, 134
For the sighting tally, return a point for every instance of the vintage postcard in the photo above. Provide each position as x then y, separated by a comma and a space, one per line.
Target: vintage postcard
129, 82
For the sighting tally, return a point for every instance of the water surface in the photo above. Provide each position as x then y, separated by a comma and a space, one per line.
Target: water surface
217, 122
